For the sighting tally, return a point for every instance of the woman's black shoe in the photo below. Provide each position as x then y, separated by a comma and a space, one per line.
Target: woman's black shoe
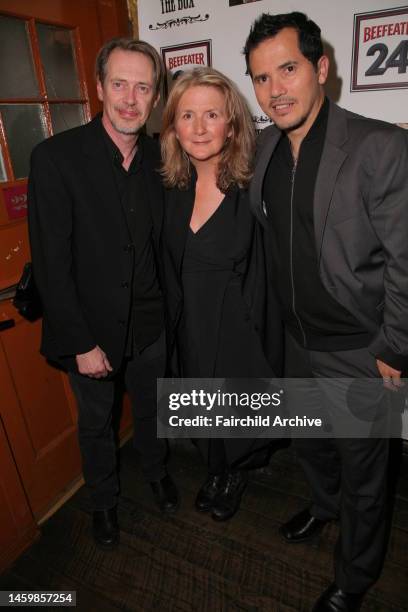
227, 502
165, 494
208, 492
105, 528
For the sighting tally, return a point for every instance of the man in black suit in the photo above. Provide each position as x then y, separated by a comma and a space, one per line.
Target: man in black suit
95, 216
331, 189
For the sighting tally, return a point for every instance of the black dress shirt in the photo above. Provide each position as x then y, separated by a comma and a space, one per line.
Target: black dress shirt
146, 318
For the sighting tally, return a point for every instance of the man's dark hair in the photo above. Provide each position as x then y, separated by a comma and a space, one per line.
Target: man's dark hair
267, 26
129, 44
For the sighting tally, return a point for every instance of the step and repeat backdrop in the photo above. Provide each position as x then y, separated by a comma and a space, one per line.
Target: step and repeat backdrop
365, 40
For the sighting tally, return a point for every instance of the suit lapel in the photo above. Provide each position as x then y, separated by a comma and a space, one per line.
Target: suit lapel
263, 157
333, 157
179, 208
154, 191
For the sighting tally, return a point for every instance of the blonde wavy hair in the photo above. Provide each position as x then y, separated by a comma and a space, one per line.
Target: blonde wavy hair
235, 164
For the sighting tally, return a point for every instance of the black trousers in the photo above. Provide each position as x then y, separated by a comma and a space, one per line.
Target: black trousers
347, 476
95, 400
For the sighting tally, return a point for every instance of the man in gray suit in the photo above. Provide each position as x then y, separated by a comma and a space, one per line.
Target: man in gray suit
331, 189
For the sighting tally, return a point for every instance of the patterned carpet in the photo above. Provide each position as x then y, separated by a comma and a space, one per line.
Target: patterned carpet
191, 563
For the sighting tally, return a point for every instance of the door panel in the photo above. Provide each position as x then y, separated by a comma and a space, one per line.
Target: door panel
17, 525
38, 411
94, 20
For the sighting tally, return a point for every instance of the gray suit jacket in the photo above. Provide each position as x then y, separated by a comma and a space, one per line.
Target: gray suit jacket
361, 223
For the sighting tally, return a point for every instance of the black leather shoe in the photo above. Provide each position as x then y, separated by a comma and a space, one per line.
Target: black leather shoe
301, 527
208, 492
165, 494
105, 528
227, 502
335, 600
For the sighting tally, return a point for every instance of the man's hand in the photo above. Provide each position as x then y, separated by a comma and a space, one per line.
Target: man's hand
94, 364
391, 377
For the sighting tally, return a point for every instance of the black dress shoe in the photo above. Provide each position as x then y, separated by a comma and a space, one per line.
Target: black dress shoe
105, 528
227, 502
301, 527
165, 494
208, 492
335, 599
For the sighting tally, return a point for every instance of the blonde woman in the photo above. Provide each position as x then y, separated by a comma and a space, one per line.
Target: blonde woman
213, 256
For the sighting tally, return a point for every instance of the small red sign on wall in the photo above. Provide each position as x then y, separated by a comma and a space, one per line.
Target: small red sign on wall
16, 201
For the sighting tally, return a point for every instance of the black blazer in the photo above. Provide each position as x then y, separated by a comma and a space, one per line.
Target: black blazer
81, 244
257, 289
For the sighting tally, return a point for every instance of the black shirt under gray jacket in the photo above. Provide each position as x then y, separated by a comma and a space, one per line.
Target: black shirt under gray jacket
312, 315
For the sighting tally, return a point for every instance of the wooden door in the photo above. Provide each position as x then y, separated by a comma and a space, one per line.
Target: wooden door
17, 526
38, 412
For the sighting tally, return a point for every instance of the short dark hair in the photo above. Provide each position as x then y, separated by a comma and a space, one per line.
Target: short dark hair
129, 44
267, 26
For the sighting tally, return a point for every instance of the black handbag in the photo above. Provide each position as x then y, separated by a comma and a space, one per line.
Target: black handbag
27, 299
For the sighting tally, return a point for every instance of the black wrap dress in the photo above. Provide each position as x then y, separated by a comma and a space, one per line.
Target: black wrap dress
217, 300
216, 335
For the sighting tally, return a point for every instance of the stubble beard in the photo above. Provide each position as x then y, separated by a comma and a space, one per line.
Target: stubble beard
292, 126
130, 131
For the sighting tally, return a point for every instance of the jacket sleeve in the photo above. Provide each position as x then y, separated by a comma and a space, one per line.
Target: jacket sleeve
259, 290
50, 216
389, 214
